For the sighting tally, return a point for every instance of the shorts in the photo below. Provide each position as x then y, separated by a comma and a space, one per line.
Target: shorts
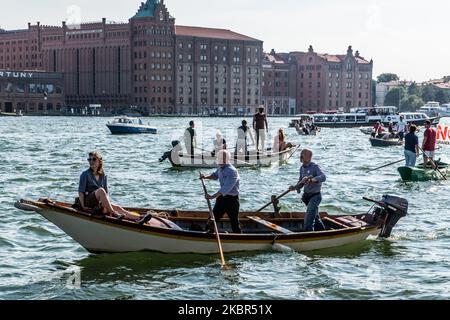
91, 201
428, 154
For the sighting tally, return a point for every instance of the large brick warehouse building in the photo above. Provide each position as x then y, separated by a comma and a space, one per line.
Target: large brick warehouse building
148, 63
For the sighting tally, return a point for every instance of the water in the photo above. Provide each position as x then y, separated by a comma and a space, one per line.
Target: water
43, 157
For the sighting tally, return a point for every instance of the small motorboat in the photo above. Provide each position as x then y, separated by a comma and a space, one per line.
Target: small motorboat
378, 142
419, 173
302, 132
185, 231
180, 160
128, 125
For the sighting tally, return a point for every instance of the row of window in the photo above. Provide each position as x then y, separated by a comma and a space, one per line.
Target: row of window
153, 43
181, 45
152, 100
20, 49
204, 58
204, 69
153, 89
217, 80
144, 78
153, 54
204, 101
236, 91
32, 88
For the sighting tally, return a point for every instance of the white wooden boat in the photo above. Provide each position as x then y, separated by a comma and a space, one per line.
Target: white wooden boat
178, 159
185, 231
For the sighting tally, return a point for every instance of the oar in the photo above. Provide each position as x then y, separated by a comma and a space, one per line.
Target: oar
277, 198
434, 164
387, 165
211, 214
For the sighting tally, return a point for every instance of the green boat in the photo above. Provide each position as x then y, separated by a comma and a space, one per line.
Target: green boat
418, 173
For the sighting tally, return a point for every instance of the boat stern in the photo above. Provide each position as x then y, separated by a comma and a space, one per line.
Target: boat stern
394, 208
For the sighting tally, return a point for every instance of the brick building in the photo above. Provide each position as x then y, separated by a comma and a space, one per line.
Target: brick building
276, 84
322, 82
138, 63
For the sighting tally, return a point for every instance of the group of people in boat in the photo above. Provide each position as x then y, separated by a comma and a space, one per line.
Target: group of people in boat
94, 197
306, 127
244, 136
393, 131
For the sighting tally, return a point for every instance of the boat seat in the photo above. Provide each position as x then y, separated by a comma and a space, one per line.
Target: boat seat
351, 221
270, 225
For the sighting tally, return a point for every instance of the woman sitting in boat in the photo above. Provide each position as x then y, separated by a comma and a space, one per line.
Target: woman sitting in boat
219, 144
93, 191
279, 143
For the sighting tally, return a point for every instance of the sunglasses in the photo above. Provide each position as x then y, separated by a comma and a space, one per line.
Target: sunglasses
92, 159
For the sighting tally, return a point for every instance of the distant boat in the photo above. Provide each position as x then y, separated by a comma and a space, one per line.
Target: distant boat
128, 125
11, 114
376, 142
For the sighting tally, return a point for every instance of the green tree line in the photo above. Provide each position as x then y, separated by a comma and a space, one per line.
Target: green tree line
412, 97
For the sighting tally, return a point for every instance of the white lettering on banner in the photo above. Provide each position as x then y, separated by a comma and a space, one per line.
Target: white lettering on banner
9, 74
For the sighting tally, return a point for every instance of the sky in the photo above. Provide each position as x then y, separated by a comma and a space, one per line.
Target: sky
406, 37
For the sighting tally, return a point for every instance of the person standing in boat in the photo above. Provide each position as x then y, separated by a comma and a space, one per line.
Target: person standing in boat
429, 144
242, 138
311, 179
93, 191
261, 126
401, 128
411, 147
227, 198
190, 138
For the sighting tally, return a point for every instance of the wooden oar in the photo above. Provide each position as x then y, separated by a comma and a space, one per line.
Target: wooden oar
387, 165
435, 165
211, 214
277, 198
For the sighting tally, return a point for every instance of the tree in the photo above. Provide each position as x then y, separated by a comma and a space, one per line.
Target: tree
387, 77
441, 96
411, 103
413, 89
428, 93
394, 96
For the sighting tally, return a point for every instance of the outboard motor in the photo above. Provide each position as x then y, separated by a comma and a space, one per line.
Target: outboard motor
167, 153
396, 208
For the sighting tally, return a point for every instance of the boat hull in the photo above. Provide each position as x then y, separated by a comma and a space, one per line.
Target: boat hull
416, 174
117, 129
239, 161
375, 142
100, 235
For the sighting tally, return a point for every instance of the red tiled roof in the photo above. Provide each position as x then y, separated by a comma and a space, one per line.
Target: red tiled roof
211, 33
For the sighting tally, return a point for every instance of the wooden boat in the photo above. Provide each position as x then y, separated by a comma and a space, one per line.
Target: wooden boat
377, 142
418, 173
128, 125
179, 159
106, 234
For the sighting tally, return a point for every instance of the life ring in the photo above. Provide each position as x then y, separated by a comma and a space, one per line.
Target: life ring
389, 119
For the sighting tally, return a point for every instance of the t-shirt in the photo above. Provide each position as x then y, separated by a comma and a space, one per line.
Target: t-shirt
401, 126
430, 145
411, 140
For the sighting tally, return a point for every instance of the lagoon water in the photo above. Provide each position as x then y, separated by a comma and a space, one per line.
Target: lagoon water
44, 156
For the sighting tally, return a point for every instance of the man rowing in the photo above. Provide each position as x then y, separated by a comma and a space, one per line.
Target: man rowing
429, 145
227, 198
311, 179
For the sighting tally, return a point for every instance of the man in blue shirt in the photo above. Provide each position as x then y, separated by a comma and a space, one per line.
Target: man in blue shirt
411, 147
227, 198
311, 179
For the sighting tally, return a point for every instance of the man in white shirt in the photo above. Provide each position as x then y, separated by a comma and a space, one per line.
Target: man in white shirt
401, 128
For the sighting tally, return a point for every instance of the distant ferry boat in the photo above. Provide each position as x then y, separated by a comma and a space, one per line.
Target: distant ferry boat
128, 125
365, 117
